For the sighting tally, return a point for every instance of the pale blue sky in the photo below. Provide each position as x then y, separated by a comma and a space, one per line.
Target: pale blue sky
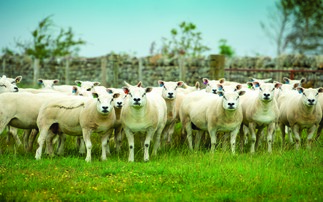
130, 26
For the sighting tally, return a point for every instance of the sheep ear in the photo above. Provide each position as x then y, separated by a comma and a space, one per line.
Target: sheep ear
197, 85
268, 80
320, 90
300, 90
18, 79
205, 81
127, 84
95, 95
250, 85
139, 84
180, 83
220, 93
256, 83
149, 89
295, 85
161, 83
220, 87
40, 81
96, 83
286, 80
78, 83
116, 95
56, 81
251, 79
242, 92
278, 85
238, 87
74, 89
110, 91
125, 90
303, 80
222, 80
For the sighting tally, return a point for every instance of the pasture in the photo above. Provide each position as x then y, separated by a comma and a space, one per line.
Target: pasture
175, 174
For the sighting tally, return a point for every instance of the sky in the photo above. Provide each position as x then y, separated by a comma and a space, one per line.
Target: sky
130, 26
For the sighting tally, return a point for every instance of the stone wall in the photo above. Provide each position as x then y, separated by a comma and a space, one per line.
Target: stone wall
119, 68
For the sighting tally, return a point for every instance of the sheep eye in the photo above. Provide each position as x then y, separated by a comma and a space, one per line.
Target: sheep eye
143, 94
165, 87
3, 85
260, 88
224, 97
89, 89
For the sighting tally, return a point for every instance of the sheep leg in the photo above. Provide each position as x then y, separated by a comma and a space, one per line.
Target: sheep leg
310, 134
233, 136
41, 140
149, 135
253, 137
259, 137
282, 130
49, 143
188, 129
61, 144
130, 138
319, 131
118, 138
14, 133
32, 138
26, 136
296, 132
105, 145
270, 132
213, 139
87, 140
81, 145
156, 140
171, 129
198, 140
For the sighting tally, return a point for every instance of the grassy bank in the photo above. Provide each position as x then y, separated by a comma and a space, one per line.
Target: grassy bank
174, 175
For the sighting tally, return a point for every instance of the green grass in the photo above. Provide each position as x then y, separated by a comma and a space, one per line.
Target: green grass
176, 174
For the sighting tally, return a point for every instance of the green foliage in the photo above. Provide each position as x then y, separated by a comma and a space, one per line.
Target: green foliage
225, 49
45, 44
296, 25
185, 40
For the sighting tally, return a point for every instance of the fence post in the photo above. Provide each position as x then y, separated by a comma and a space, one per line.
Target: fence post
4, 66
104, 71
182, 68
217, 66
36, 71
140, 70
115, 64
67, 71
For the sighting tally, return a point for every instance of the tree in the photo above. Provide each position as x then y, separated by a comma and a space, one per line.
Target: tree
297, 25
45, 44
225, 49
185, 40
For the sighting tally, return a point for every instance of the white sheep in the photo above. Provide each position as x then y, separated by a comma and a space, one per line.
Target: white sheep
212, 85
52, 85
169, 93
260, 110
320, 128
9, 84
144, 112
77, 116
213, 113
300, 111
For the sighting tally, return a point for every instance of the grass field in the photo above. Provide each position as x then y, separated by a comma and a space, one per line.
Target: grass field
176, 174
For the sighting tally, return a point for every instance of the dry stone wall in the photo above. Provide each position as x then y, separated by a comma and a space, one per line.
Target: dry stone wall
119, 68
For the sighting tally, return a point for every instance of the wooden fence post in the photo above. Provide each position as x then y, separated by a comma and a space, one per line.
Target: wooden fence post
182, 68
115, 64
104, 71
4, 66
67, 71
36, 71
140, 70
217, 66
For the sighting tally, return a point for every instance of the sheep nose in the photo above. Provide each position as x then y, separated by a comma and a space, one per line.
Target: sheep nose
16, 89
136, 99
170, 94
266, 95
231, 104
105, 108
214, 91
311, 101
119, 103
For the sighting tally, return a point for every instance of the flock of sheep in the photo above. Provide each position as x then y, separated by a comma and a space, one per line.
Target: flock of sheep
223, 108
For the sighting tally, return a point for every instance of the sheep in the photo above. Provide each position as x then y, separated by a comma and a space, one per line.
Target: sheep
260, 110
144, 112
9, 84
86, 87
300, 111
52, 85
77, 116
213, 113
251, 79
319, 130
212, 85
169, 93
